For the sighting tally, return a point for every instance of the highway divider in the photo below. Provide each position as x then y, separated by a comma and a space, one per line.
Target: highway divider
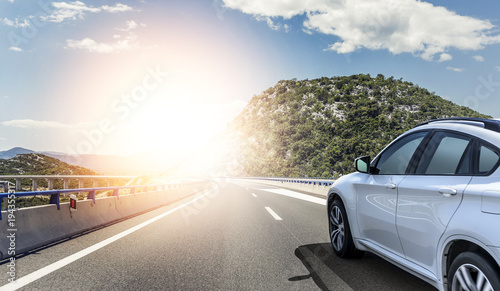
315, 185
27, 228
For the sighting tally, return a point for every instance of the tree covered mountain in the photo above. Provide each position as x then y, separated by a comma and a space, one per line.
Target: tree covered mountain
39, 164
316, 128
9, 154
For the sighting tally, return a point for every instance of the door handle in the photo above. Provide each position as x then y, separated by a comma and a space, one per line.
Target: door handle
447, 192
390, 186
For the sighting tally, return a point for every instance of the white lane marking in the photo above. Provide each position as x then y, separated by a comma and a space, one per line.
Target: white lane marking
21, 282
273, 214
297, 195
253, 194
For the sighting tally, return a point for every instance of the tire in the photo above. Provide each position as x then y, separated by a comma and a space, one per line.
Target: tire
470, 269
340, 232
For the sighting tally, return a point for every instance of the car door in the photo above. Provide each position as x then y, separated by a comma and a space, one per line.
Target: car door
431, 193
377, 193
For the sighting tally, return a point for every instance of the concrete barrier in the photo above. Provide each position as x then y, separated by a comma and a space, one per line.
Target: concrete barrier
42, 225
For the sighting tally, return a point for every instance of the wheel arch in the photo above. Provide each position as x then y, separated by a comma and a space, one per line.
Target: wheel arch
460, 245
349, 203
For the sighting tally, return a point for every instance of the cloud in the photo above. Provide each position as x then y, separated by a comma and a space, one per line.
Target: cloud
498, 68
131, 25
15, 48
15, 22
92, 46
30, 123
478, 58
77, 10
117, 8
271, 24
455, 69
406, 26
122, 43
445, 57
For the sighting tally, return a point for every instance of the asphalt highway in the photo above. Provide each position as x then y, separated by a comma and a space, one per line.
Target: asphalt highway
235, 236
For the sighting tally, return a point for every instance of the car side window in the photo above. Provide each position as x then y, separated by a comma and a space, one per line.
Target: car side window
446, 154
488, 159
395, 159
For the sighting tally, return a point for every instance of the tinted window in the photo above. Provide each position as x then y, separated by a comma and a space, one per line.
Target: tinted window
487, 159
395, 160
466, 164
446, 154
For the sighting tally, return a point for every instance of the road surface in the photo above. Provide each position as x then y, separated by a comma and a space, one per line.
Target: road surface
235, 236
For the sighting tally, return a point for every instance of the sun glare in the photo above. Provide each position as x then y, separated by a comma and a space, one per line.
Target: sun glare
177, 121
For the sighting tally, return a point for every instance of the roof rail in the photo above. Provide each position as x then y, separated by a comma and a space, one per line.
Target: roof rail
490, 124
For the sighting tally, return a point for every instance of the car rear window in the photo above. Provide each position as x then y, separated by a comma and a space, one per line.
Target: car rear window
487, 159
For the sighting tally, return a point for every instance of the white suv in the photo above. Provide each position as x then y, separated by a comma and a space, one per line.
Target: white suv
429, 203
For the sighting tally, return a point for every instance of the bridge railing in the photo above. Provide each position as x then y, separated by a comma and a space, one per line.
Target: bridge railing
55, 195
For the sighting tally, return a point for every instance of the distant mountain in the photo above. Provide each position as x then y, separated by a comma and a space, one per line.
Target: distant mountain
9, 154
315, 128
139, 164
38, 164
104, 164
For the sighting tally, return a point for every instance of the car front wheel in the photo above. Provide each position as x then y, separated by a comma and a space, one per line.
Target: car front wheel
340, 232
473, 271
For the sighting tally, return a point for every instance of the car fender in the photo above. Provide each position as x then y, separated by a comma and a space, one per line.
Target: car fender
344, 189
479, 229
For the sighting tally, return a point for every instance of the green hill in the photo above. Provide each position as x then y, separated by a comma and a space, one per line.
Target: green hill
316, 128
39, 164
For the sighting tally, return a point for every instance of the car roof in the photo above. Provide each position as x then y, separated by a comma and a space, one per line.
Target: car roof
486, 129
491, 124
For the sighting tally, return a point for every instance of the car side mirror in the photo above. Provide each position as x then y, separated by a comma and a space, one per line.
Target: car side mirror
362, 164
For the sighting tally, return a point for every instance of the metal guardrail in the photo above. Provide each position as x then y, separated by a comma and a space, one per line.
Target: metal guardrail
313, 181
56, 194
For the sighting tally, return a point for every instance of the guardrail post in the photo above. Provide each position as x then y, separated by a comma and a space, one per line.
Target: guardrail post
54, 199
132, 190
18, 184
115, 193
91, 195
34, 183
65, 183
80, 185
50, 183
6, 187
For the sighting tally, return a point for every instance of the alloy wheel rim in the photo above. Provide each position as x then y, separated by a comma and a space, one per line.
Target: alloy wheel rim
469, 277
337, 230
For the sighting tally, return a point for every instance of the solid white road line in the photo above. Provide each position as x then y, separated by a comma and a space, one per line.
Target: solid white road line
297, 195
273, 214
21, 282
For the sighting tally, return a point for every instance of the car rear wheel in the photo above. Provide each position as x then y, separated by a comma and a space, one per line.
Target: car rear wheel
340, 232
473, 271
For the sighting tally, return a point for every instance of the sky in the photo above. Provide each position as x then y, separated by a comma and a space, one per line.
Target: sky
128, 77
